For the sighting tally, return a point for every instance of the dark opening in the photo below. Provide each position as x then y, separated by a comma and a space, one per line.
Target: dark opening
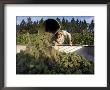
51, 25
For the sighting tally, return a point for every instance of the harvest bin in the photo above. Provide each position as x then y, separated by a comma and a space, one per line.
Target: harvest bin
51, 25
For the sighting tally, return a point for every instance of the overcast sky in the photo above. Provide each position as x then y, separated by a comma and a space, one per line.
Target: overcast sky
35, 18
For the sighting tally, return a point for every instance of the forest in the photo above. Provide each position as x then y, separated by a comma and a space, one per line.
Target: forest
41, 58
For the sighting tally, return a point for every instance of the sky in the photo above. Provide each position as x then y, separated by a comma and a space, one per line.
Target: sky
37, 18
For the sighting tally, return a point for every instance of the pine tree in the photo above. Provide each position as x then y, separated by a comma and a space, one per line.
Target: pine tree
18, 28
23, 26
77, 26
63, 24
41, 22
73, 25
29, 24
34, 27
67, 26
81, 26
91, 26
84, 26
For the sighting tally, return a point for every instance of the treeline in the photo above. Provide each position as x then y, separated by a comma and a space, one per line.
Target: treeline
73, 26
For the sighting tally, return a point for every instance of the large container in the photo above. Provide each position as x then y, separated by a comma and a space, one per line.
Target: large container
51, 25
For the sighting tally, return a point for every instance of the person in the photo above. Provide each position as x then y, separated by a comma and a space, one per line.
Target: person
62, 37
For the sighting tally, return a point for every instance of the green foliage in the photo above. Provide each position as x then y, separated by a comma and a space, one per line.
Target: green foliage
44, 64
85, 38
41, 58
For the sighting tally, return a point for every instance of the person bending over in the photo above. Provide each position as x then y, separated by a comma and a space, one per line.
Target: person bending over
62, 37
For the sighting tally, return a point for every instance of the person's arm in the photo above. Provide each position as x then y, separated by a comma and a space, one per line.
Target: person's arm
68, 36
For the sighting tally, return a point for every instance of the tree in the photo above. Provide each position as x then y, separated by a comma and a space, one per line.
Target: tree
18, 28
67, 26
77, 25
41, 22
63, 26
29, 24
23, 26
34, 28
91, 26
83, 27
73, 25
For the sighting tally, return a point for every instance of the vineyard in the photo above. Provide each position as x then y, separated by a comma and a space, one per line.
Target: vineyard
41, 58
